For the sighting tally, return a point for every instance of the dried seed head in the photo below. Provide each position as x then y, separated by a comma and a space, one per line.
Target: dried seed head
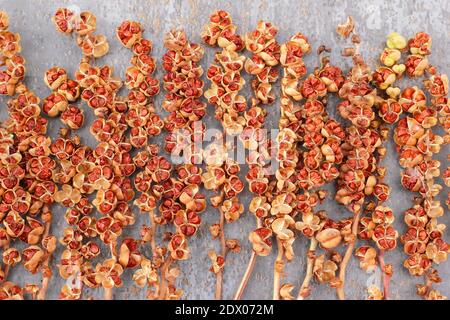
329, 238
346, 28
396, 41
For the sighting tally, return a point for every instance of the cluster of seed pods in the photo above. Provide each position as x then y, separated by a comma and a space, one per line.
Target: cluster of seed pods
225, 73
416, 145
13, 64
291, 59
153, 170
377, 224
221, 171
65, 91
82, 171
312, 149
261, 65
361, 176
141, 117
26, 184
184, 87
84, 25
319, 144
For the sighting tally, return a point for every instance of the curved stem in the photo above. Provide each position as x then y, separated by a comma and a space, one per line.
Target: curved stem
153, 228
246, 277
347, 256
278, 270
248, 270
46, 271
386, 276
108, 294
223, 249
6, 271
305, 289
163, 284
44, 287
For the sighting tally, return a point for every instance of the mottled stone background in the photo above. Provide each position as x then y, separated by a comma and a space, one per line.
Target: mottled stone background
43, 48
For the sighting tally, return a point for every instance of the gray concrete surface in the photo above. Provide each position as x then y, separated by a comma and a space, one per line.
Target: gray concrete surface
43, 48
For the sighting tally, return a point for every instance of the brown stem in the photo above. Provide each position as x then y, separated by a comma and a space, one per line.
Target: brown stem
44, 287
163, 284
347, 256
385, 275
248, 270
151, 216
112, 248
246, 277
305, 288
46, 271
278, 270
223, 249
6, 271
153, 228
108, 294
219, 280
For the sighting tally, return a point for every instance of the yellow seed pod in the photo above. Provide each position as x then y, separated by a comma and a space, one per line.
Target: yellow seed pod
399, 69
389, 57
393, 92
396, 41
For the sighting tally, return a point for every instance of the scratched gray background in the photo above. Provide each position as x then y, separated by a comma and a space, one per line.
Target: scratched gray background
43, 48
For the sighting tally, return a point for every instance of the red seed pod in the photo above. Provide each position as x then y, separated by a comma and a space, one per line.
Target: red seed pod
33, 256
178, 247
90, 250
332, 77
313, 88
63, 20
129, 32
187, 222
385, 237
54, 104
70, 90
416, 217
411, 99
159, 168
420, 44
129, 255
390, 111
168, 210
260, 239
142, 46
85, 23
415, 240
55, 77
416, 65
73, 117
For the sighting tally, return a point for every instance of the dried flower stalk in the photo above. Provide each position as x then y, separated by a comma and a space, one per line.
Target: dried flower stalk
360, 149
417, 143
182, 201
262, 65
221, 171
26, 168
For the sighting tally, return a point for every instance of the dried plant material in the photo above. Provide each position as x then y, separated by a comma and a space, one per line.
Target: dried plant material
374, 293
324, 270
346, 28
367, 258
101, 187
285, 291
329, 238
